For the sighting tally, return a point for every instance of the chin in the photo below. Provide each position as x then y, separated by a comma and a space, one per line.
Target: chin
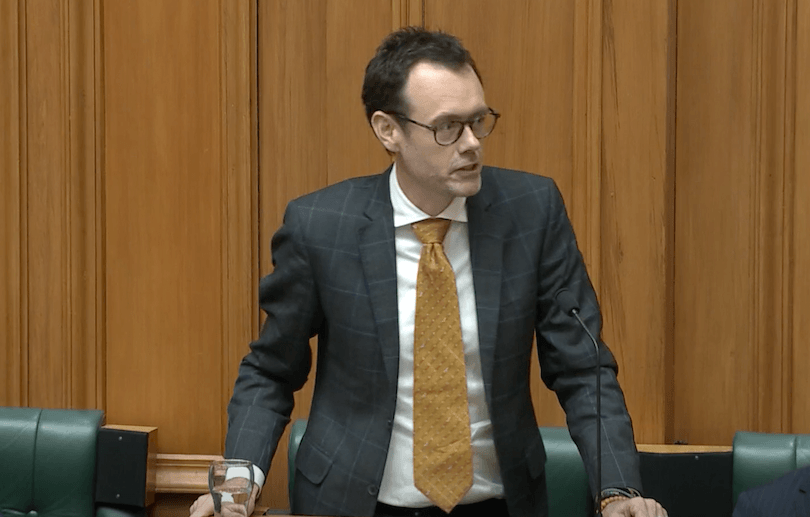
468, 187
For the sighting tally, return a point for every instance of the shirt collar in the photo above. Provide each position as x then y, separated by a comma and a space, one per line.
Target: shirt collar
406, 213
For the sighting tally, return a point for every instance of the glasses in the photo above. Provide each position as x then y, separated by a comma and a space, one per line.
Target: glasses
448, 132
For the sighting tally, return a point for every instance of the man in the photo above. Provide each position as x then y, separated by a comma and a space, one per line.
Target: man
788, 496
349, 267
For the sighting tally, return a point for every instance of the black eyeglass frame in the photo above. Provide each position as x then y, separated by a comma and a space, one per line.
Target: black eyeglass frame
464, 123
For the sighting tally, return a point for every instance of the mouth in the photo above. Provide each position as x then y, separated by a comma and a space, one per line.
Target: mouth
471, 167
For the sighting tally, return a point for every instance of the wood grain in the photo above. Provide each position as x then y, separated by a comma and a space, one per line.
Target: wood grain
239, 175
166, 153
13, 263
84, 195
799, 303
51, 202
407, 12
730, 261
584, 202
635, 204
47, 203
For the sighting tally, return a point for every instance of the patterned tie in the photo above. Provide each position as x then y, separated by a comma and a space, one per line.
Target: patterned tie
442, 454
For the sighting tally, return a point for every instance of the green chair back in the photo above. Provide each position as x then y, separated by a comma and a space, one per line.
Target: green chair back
759, 458
49, 461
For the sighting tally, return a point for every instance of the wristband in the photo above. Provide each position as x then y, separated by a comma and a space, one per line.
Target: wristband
610, 495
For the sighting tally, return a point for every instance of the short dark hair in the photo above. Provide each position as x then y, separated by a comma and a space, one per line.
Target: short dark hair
387, 72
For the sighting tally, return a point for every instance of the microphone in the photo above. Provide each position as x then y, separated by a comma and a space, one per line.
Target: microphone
568, 303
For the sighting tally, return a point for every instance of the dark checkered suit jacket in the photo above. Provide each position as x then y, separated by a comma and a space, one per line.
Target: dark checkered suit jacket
788, 496
335, 277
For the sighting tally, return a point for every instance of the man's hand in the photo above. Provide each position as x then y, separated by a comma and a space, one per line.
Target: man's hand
204, 505
635, 507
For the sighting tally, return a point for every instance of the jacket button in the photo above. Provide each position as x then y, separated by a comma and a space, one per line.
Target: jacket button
390, 424
372, 490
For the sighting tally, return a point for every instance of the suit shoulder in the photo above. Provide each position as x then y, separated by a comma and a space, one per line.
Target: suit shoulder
344, 198
509, 185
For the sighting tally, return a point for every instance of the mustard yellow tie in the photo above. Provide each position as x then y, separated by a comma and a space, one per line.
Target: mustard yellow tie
442, 455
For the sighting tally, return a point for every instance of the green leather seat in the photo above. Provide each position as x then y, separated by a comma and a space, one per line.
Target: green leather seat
759, 458
566, 480
48, 462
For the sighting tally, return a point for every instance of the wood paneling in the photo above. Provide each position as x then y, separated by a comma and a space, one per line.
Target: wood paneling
85, 198
239, 170
47, 191
50, 199
799, 304
583, 203
407, 12
148, 149
179, 227
731, 263
635, 203
13, 263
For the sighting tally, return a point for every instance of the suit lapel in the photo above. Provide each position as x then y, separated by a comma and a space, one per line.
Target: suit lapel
378, 256
486, 231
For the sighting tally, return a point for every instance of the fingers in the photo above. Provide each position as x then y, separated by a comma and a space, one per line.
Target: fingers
254, 495
651, 508
202, 507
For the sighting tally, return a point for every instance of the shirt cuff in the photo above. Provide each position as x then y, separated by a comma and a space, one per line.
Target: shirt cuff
258, 475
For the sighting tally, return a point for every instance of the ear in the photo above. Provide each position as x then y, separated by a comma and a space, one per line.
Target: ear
387, 130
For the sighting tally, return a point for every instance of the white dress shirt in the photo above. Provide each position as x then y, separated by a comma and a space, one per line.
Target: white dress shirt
397, 484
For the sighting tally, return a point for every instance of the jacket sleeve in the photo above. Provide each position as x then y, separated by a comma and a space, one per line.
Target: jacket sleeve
279, 361
568, 359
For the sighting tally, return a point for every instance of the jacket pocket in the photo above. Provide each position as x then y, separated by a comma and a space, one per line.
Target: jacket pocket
536, 457
312, 462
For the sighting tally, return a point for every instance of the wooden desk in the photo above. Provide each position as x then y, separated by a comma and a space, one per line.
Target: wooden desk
182, 477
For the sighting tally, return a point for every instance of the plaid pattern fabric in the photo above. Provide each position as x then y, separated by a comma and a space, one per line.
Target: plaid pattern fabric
335, 277
788, 496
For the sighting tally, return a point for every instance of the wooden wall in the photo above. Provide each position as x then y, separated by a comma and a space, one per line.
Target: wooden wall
148, 148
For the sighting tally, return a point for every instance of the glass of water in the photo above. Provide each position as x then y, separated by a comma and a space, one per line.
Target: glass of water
230, 483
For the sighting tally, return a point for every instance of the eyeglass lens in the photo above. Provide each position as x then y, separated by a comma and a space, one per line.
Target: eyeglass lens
481, 127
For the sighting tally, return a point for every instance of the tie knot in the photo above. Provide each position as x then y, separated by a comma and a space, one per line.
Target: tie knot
431, 231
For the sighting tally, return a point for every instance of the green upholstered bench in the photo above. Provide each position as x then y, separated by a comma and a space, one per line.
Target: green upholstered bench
759, 458
568, 492
49, 463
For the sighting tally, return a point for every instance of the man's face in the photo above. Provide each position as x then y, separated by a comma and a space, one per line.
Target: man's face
429, 174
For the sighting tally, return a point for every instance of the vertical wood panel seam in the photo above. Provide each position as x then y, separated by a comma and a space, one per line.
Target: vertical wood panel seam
595, 135
100, 205
671, 221
587, 142
66, 92
224, 206
23, 182
788, 222
12, 387
756, 214
254, 166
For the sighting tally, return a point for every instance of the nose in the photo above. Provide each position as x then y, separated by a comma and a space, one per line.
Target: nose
468, 141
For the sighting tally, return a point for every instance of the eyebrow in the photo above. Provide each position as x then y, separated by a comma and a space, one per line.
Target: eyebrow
456, 116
